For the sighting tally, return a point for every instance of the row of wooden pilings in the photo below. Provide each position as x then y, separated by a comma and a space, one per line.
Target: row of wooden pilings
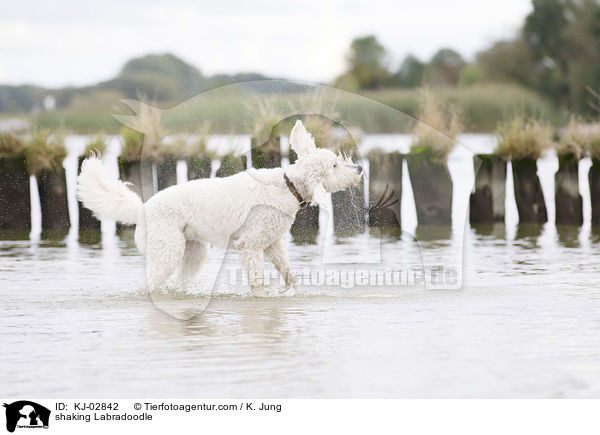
432, 189
487, 201
15, 197
430, 180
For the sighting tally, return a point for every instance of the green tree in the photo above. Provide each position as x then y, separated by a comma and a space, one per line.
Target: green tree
507, 61
162, 77
583, 54
444, 67
411, 72
545, 33
366, 64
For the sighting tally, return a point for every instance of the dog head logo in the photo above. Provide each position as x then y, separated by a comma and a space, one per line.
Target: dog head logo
26, 414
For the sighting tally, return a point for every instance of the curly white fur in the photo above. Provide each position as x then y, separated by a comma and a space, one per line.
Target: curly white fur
108, 199
251, 211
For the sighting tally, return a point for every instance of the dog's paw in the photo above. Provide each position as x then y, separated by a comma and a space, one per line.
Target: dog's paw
288, 291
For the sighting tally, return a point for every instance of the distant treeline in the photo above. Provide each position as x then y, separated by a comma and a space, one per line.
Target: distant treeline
550, 69
556, 53
156, 77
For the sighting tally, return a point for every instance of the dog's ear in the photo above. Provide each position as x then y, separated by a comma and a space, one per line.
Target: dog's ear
319, 196
301, 140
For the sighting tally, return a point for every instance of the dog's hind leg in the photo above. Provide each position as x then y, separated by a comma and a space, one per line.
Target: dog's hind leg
277, 254
193, 259
165, 247
252, 260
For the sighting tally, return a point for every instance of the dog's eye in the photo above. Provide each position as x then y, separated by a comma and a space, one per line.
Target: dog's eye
335, 165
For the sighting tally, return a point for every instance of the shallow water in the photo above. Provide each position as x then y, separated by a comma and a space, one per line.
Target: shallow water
525, 322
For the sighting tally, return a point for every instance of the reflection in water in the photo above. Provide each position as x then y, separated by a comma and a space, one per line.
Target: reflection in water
529, 233
344, 232
304, 235
6, 234
568, 235
53, 243
388, 233
595, 233
91, 237
54, 235
430, 233
494, 230
126, 234
80, 312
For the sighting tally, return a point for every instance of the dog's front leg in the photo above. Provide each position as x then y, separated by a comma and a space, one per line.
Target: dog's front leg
252, 260
277, 253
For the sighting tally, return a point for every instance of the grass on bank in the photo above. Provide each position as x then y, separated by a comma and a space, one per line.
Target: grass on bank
482, 107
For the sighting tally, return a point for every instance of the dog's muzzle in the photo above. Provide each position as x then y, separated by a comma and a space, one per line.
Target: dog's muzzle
358, 168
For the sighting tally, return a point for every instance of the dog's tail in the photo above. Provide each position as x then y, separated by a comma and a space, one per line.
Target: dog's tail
107, 199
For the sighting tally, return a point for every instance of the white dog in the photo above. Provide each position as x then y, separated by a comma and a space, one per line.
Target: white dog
250, 211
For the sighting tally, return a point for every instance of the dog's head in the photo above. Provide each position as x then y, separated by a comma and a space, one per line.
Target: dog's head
318, 170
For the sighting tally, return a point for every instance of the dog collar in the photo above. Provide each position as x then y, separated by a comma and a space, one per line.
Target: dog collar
294, 191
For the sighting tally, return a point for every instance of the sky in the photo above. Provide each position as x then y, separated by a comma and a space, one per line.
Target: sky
73, 42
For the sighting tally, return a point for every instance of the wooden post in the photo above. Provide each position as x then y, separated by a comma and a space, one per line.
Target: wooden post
52, 186
166, 172
231, 165
45, 155
432, 232
385, 189
568, 235
139, 174
432, 188
487, 202
15, 200
569, 209
528, 191
198, 167
267, 155
594, 179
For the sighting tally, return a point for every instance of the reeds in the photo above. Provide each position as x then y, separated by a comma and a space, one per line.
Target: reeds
267, 125
522, 137
11, 145
133, 142
574, 141
321, 129
198, 148
583, 138
439, 123
593, 138
45, 151
347, 143
146, 138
